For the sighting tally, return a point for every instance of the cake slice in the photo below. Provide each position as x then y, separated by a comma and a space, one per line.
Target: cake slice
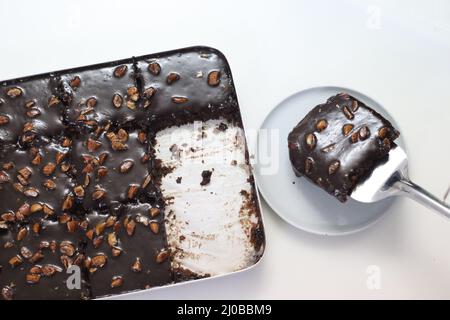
339, 144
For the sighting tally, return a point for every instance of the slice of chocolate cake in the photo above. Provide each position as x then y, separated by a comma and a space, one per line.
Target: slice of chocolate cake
339, 144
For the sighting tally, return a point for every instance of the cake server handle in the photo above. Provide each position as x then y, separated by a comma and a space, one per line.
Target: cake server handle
404, 186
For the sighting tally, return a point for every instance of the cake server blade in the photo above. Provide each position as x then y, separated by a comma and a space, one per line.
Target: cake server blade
391, 179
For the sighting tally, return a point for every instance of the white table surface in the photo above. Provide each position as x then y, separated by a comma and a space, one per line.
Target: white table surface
395, 51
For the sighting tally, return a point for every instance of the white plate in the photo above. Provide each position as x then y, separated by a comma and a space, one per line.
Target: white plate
294, 199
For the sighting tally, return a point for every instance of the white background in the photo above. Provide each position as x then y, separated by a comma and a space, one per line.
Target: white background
397, 52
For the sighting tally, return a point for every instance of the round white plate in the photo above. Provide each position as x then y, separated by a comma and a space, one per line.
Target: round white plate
294, 199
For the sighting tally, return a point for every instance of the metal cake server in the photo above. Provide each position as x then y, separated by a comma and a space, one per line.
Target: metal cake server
391, 179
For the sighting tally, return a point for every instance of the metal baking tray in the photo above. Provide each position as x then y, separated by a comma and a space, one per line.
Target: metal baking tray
215, 229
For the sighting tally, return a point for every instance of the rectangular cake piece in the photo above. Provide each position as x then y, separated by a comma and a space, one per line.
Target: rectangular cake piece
339, 143
35, 256
110, 167
181, 86
100, 95
30, 109
127, 251
37, 177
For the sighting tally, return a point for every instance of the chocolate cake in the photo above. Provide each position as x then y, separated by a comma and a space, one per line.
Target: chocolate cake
339, 143
102, 170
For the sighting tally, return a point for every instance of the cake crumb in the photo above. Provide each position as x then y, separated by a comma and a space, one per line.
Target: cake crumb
206, 175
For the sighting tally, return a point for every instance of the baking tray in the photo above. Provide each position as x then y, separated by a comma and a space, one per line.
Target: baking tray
217, 240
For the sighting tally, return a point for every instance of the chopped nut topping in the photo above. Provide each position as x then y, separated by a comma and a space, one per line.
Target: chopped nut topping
102, 172
126, 166
75, 82
99, 228
120, 71
4, 119
23, 211
72, 225
48, 210
132, 191
364, 133
35, 207
99, 261
92, 144
116, 251
91, 102
354, 137
48, 169
179, 100
53, 101
146, 182
49, 270
15, 261
149, 92
122, 135
130, 226
33, 112
14, 92
59, 157
79, 191
36, 228
321, 125
37, 159
110, 221
133, 94
33, 278
49, 184
66, 261
172, 77
117, 100
383, 132
310, 140
117, 281
8, 216
35, 270
98, 194
112, 239
68, 202
23, 231
31, 192
4, 177
309, 163
346, 129
334, 166
26, 253
154, 226
154, 212
162, 256
137, 265
97, 241
7, 293
348, 113
154, 68
214, 78
90, 234
67, 248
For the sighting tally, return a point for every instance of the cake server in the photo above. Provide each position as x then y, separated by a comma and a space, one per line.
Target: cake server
391, 179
